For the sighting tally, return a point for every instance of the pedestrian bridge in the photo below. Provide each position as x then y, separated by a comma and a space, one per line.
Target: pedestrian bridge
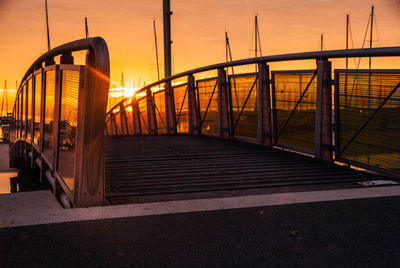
218, 130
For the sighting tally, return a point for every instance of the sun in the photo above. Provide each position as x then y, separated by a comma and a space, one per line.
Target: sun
118, 92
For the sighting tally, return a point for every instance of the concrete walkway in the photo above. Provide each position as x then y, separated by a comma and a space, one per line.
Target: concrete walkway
35, 208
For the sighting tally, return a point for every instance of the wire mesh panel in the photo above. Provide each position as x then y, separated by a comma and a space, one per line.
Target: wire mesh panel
181, 108
68, 125
38, 95
109, 126
129, 116
368, 117
294, 104
244, 91
118, 126
207, 95
143, 115
159, 103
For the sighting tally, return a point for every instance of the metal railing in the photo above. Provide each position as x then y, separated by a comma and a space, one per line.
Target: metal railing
287, 109
58, 121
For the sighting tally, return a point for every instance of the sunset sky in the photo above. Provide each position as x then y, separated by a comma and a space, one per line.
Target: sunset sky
198, 28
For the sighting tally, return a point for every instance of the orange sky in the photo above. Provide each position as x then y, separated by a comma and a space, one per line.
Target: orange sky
197, 30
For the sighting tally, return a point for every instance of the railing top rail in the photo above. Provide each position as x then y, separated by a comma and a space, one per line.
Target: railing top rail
96, 45
328, 54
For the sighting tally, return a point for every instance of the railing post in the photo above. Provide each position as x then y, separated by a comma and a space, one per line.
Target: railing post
135, 116
223, 112
170, 108
151, 113
264, 106
124, 123
194, 119
89, 175
323, 117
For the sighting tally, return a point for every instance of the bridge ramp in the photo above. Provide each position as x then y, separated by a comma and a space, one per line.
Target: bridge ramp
159, 168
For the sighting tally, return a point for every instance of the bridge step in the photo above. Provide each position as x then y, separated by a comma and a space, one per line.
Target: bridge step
158, 167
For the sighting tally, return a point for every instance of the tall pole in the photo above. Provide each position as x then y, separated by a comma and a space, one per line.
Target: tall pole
155, 41
167, 37
255, 34
347, 59
322, 41
169, 94
226, 47
47, 24
257, 39
347, 39
6, 99
370, 63
229, 57
2, 102
86, 28
372, 27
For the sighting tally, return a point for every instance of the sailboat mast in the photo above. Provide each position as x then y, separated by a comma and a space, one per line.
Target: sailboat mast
155, 41
322, 41
2, 101
347, 39
6, 98
229, 57
372, 27
47, 25
226, 46
256, 35
86, 28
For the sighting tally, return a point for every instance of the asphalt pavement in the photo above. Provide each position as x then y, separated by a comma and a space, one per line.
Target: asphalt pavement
347, 233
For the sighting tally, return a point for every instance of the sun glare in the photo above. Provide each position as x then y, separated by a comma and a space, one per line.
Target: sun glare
125, 92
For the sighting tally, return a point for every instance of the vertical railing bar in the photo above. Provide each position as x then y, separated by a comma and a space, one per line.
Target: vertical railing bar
336, 112
274, 125
230, 110
124, 120
198, 104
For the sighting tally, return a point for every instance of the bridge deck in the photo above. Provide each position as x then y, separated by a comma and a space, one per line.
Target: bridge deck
155, 168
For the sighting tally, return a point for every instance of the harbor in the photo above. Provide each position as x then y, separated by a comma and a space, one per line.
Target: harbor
204, 153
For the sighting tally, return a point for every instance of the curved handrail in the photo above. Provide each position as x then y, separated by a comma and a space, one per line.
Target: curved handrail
92, 94
97, 44
343, 53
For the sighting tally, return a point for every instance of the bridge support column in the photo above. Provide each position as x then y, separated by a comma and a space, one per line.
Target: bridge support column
323, 118
223, 112
194, 119
151, 114
264, 106
137, 129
